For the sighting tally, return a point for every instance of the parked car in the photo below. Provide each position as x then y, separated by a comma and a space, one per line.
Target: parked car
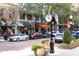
75, 34
19, 37
48, 34
59, 38
45, 35
37, 35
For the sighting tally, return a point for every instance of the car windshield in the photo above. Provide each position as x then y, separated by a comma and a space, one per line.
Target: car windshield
19, 34
77, 33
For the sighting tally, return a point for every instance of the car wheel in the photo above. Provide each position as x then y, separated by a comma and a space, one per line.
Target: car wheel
10, 40
58, 41
26, 38
17, 39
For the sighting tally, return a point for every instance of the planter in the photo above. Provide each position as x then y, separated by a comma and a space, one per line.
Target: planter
47, 51
40, 52
68, 46
45, 44
35, 52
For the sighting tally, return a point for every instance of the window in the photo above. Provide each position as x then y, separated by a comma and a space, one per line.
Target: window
1, 11
29, 17
22, 15
37, 18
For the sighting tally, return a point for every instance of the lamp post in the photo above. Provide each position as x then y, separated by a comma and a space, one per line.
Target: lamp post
51, 18
71, 17
71, 20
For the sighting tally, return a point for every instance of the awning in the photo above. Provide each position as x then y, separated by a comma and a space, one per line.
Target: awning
16, 23
26, 24
19, 24
2, 23
45, 26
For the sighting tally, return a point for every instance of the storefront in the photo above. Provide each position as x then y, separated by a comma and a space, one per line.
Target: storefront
40, 27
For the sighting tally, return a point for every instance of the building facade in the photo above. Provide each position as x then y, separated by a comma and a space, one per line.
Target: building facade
8, 13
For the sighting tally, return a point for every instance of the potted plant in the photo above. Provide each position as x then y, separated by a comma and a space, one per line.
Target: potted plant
38, 50
45, 44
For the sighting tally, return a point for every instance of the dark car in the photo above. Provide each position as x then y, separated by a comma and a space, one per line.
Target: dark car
37, 35
75, 34
46, 34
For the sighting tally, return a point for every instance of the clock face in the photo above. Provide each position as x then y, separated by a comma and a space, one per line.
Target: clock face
48, 18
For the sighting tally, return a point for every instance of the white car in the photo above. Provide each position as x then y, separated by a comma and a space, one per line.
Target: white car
59, 37
19, 37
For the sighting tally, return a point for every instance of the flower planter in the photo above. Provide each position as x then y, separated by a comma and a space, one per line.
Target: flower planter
35, 52
68, 46
47, 51
45, 44
40, 52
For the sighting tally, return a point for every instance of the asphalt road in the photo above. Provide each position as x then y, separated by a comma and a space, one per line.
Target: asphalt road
8, 46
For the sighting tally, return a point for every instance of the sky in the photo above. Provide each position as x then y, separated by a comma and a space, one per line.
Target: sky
39, 1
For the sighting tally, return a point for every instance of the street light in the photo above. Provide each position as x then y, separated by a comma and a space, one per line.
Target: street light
51, 18
71, 20
71, 17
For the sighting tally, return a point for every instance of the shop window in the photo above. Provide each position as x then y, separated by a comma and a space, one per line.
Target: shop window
29, 17
37, 18
22, 15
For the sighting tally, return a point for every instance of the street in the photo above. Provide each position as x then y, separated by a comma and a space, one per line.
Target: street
23, 48
7, 46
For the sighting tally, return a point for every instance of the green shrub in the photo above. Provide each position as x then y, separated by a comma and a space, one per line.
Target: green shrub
35, 47
67, 36
44, 40
75, 41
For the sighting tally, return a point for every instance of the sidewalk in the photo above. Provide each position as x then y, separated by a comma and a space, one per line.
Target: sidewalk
28, 52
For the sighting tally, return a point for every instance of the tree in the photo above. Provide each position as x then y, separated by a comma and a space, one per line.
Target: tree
30, 8
67, 36
62, 9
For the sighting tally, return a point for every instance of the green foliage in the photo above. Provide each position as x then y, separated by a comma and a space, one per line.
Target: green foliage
75, 41
67, 36
44, 40
37, 9
35, 47
32, 8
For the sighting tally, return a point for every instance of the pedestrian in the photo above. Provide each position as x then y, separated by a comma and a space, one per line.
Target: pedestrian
6, 35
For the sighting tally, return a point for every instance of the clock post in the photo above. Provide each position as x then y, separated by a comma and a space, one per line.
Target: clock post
51, 40
51, 18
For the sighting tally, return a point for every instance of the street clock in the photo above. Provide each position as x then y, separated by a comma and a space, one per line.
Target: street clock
48, 18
